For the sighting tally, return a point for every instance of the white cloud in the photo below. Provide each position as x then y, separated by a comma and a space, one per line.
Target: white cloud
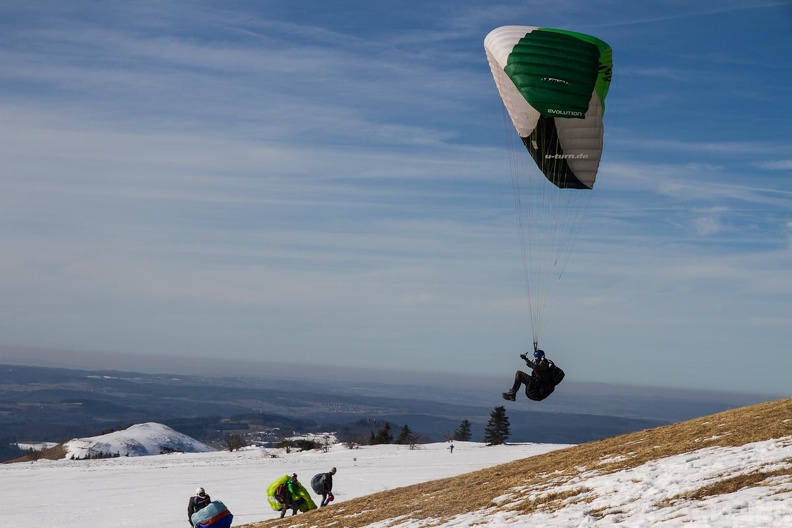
776, 165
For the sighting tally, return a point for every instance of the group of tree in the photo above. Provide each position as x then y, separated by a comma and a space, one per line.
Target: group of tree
96, 456
496, 433
302, 444
406, 436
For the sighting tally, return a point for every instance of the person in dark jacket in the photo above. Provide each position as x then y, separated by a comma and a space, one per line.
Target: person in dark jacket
322, 484
198, 502
542, 380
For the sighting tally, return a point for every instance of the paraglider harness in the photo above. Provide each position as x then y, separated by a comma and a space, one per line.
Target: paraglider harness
283, 494
286, 498
543, 382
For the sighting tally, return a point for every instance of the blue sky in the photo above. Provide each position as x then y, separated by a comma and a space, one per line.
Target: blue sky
327, 183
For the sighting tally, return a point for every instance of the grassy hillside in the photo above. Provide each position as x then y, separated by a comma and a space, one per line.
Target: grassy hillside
530, 482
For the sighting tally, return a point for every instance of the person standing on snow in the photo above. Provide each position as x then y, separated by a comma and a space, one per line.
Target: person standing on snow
287, 493
197, 502
322, 484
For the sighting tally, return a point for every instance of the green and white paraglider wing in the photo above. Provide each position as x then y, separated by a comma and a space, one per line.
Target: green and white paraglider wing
553, 84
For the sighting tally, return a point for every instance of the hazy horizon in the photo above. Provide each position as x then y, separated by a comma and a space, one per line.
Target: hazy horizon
149, 364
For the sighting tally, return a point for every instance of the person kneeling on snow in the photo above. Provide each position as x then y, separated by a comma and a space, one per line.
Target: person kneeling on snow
198, 502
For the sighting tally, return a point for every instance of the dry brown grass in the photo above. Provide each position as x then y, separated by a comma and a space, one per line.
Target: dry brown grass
529, 482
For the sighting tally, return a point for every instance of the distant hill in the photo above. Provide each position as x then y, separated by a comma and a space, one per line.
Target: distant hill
40, 404
138, 440
635, 479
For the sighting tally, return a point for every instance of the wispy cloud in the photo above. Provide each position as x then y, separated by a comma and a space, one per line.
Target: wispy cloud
729, 148
238, 178
776, 165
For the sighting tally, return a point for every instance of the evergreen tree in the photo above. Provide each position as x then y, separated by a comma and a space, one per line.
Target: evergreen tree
406, 436
383, 436
497, 430
463, 434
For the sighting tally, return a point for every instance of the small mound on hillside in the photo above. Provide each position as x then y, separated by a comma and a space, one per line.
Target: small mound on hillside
138, 440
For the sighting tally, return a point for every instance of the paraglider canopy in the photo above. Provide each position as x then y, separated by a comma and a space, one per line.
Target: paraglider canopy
553, 84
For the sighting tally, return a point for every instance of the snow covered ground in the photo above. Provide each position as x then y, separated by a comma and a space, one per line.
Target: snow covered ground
122, 491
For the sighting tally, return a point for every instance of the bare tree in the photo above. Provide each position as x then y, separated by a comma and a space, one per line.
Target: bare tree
234, 441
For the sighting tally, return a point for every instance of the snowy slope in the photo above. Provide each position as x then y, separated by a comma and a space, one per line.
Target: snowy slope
139, 440
640, 496
118, 492
729, 470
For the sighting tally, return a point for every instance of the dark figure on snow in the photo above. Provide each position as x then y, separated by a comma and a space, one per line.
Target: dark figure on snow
542, 380
286, 495
198, 502
322, 484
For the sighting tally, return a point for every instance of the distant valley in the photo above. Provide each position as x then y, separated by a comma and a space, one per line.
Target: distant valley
56, 404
